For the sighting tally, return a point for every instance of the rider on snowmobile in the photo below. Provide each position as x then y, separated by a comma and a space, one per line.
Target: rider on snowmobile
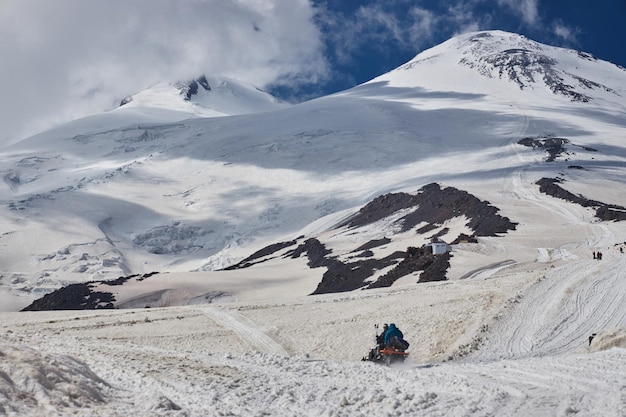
394, 338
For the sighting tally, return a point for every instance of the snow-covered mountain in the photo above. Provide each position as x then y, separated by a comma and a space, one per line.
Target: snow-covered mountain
121, 193
505, 154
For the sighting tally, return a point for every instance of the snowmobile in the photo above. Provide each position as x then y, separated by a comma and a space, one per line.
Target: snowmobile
385, 354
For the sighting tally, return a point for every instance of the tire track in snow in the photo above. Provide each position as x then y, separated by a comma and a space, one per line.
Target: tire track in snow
545, 255
246, 330
519, 186
104, 227
522, 188
559, 313
489, 270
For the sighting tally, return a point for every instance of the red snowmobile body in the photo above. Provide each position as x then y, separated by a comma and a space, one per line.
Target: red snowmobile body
386, 355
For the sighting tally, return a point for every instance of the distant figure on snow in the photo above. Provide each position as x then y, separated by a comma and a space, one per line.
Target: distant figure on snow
599, 255
395, 338
594, 254
591, 338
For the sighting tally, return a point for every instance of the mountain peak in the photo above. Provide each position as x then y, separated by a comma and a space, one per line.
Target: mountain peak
497, 60
205, 97
191, 88
527, 64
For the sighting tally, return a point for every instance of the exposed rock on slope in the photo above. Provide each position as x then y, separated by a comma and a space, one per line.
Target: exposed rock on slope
604, 211
80, 296
529, 64
426, 211
435, 205
191, 88
73, 297
555, 147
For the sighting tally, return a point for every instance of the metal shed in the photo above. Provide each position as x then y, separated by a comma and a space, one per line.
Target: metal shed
439, 248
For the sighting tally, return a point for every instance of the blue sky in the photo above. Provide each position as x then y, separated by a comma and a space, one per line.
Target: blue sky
363, 39
66, 59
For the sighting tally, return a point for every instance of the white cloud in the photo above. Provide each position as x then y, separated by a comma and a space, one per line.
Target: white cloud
527, 9
424, 22
566, 33
66, 58
377, 25
405, 29
463, 18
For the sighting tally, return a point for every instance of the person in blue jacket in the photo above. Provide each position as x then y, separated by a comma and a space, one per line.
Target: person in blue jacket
395, 338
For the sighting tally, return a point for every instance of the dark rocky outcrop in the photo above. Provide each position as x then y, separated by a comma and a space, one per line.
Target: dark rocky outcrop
315, 251
373, 244
125, 101
604, 211
350, 276
262, 253
433, 267
191, 88
555, 147
81, 296
432, 205
435, 205
73, 297
341, 277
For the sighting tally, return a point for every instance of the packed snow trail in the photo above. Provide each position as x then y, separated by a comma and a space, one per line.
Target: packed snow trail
489, 270
245, 329
558, 314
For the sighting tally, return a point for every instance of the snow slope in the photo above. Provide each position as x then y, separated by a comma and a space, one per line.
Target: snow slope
506, 334
300, 356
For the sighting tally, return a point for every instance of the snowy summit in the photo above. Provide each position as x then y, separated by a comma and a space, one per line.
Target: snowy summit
234, 252
500, 63
203, 97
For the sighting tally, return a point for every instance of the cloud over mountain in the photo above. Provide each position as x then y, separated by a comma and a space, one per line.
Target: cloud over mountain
69, 59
